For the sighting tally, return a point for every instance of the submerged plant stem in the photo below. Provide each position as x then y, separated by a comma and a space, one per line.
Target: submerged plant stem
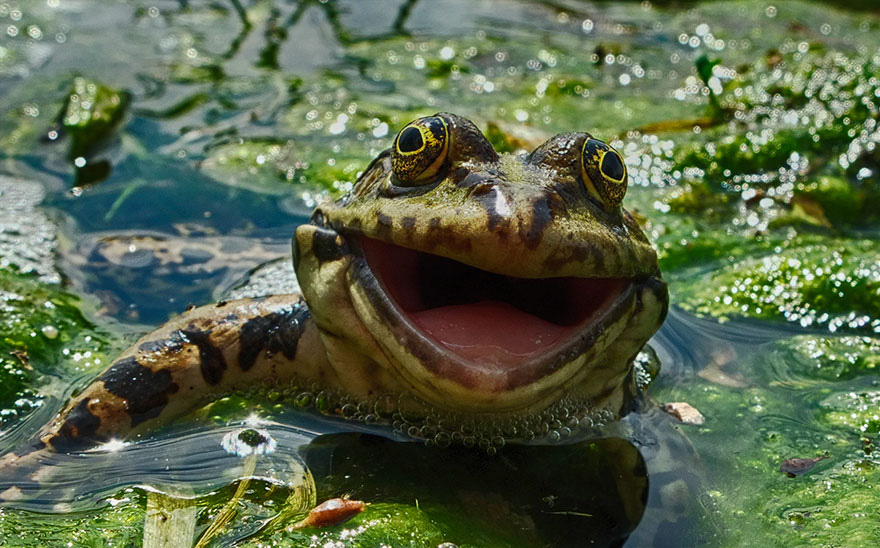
169, 521
231, 508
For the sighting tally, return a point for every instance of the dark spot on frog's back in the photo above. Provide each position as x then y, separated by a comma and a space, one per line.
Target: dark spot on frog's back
408, 223
144, 390
317, 218
78, 431
213, 364
276, 332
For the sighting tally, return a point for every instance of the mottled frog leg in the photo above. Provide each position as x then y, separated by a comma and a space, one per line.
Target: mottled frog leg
206, 351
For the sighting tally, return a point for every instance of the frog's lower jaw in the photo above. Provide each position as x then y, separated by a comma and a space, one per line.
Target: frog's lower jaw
464, 342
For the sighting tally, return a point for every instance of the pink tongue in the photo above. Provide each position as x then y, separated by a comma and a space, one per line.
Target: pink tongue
489, 332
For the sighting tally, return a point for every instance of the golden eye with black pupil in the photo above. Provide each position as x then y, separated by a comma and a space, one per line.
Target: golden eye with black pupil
419, 151
603, 172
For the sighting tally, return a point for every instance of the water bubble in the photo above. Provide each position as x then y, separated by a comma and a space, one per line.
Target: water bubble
442, 439
304, 400
326, 402
349, 410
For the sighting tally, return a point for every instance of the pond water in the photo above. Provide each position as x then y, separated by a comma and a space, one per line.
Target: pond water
159, 153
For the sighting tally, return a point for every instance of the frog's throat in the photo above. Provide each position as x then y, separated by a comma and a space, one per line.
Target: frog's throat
591, 358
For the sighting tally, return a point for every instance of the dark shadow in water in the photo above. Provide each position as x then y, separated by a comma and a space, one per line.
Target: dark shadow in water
597, 501
642, 490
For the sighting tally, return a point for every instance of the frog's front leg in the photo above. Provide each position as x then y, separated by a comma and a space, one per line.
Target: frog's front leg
206, 351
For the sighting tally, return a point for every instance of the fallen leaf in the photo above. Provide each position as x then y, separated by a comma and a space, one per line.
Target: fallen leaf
685, 412
798, 467
332, 512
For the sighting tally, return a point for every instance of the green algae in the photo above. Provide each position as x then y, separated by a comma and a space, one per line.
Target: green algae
92, 114
750, 216
120, 524
750, 430
854, 411
44, 331
390, 524
828, 358
835, 285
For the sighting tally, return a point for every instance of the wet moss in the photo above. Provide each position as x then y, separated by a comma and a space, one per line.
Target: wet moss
91, 115
43, 330
750, 430
391, 524
842, 202
857, 411
811, 357
835, 285
120, 524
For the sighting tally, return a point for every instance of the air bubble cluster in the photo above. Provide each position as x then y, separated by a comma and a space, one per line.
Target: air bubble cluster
409, 416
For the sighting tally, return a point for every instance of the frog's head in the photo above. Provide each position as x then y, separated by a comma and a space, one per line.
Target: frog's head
482, 282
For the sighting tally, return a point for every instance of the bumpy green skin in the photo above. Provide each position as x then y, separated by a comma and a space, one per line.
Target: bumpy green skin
526, 217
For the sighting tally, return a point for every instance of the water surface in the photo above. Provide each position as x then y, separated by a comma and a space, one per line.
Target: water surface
243, 115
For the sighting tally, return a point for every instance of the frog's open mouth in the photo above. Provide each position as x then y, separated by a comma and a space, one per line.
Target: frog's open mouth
489, 319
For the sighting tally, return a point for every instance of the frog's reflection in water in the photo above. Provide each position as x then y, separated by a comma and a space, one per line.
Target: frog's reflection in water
591, 493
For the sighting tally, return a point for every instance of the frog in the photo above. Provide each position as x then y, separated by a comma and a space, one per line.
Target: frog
459, 295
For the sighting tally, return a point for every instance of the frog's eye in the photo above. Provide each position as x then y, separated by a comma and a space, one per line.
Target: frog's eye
603, 172
420, 150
